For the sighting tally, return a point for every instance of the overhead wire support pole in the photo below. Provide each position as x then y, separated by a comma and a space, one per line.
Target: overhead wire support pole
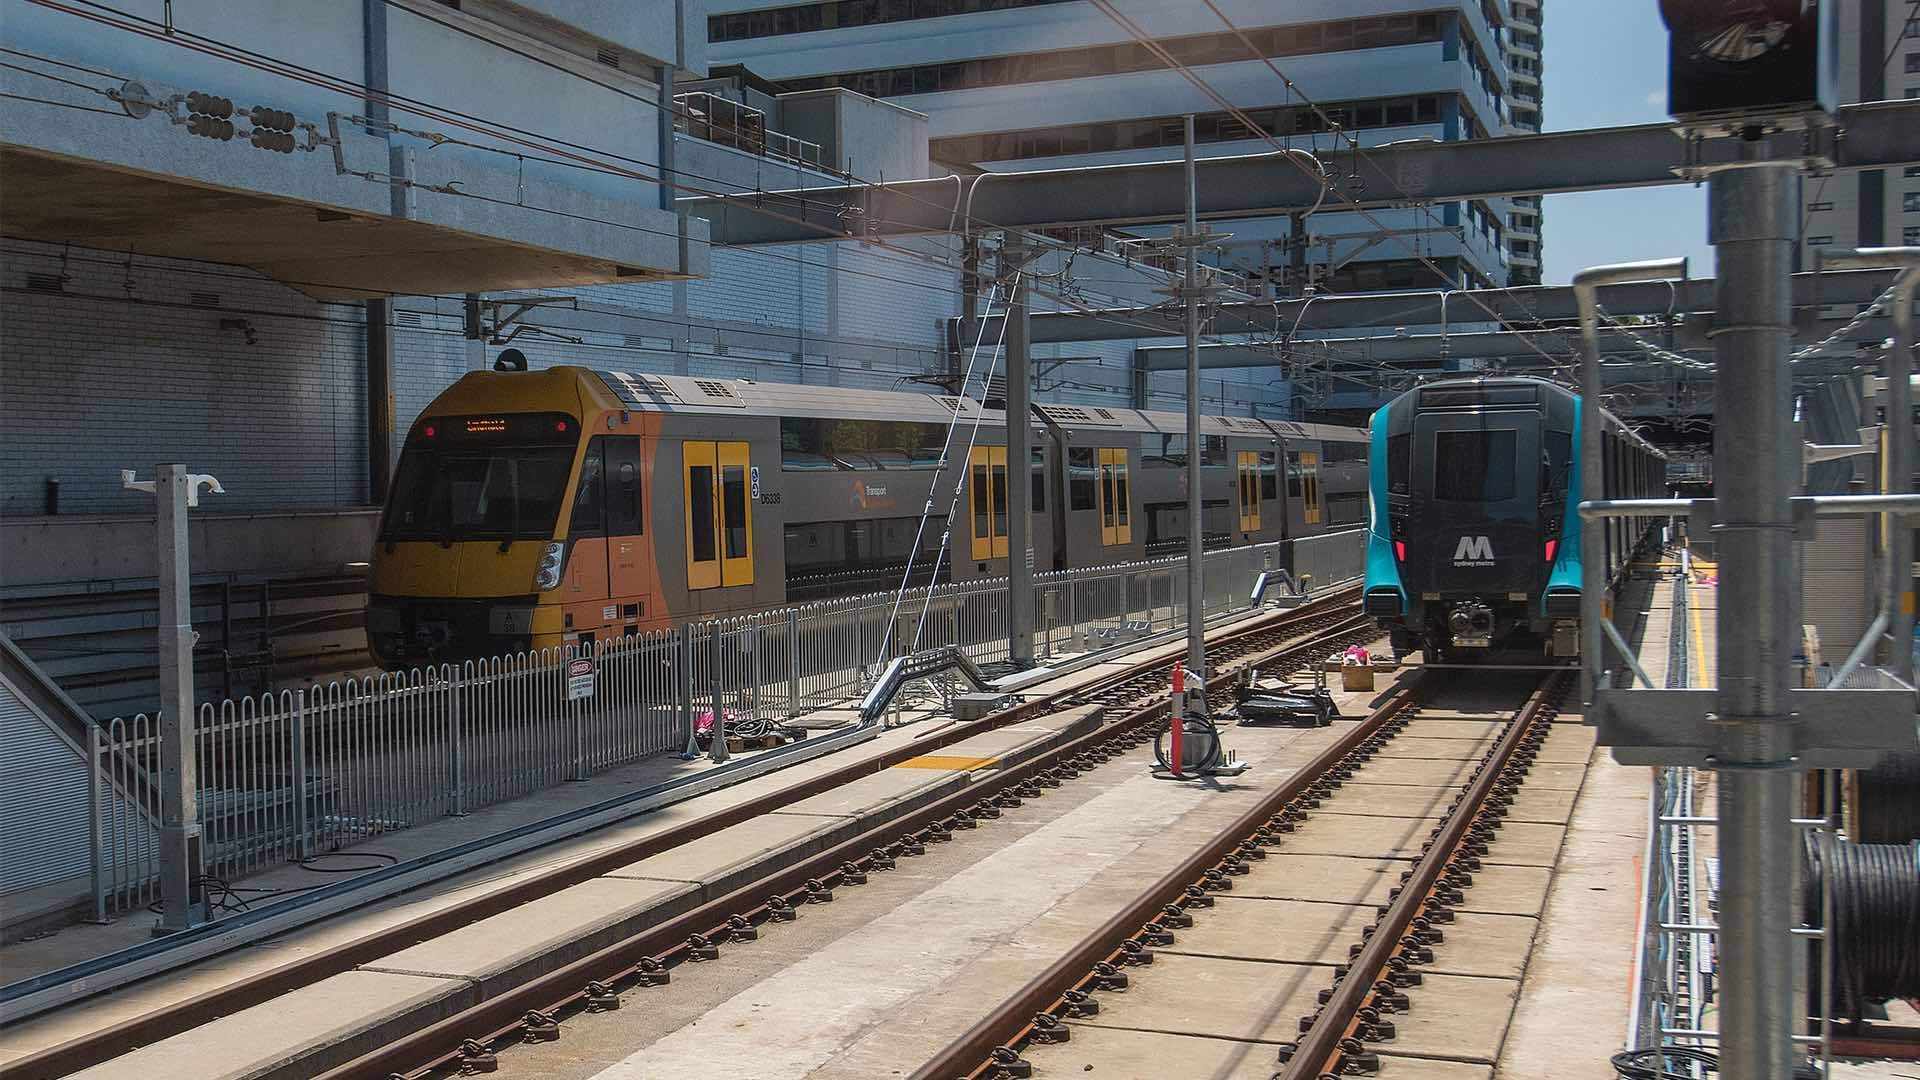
1190, 294
1756, 463
1019, 482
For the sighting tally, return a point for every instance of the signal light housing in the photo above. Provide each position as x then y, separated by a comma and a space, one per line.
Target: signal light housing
1743, 60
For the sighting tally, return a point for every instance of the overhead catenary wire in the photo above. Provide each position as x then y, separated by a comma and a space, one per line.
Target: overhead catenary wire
959, 483
1106, 6
926, 511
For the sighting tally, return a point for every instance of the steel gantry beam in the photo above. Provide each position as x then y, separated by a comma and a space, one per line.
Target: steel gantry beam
1513, 348
1518, 305
1262, 185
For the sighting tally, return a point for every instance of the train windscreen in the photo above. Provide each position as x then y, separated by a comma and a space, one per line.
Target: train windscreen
1475, 466
482, 493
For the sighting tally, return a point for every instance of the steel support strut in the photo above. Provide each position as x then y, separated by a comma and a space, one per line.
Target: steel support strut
1196, 594
1897, 453
1019, 492
1752, 226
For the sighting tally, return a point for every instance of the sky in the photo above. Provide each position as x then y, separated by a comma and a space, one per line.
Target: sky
1604, 63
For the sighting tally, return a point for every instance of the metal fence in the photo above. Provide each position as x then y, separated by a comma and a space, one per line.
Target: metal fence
290, 775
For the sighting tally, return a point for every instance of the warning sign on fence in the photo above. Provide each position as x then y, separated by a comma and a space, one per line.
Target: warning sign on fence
579, 679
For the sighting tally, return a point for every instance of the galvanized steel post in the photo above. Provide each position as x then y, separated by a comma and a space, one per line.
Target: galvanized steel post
1752, 226
793, 662
1190, 294
179, 838
1019, 493
94, 787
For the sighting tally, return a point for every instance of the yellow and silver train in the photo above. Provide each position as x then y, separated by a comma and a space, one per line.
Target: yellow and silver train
563, 506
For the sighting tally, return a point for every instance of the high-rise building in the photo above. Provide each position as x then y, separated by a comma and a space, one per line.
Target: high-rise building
1034, 84
1879, 60
1523, 67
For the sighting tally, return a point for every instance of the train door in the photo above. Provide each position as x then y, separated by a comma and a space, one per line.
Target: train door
1477, 474
1247, 469
719, 515
1311, 504
987, 477
586, 573
626, 518
1116, 522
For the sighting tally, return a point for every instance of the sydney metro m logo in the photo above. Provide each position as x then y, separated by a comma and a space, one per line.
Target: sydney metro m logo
1473, 551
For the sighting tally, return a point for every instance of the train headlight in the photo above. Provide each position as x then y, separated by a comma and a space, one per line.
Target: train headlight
552, 561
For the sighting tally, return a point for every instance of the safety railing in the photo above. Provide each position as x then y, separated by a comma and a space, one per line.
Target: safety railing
299, 773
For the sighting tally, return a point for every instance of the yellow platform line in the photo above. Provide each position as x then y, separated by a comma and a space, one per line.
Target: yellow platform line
941, 761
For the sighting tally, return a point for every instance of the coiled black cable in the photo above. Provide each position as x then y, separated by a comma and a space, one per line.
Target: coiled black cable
1199, 746
1875, 930
1887, 805
1652, 1063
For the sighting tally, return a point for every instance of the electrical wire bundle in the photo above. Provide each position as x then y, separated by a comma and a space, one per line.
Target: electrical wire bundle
1875, 929
1887, 805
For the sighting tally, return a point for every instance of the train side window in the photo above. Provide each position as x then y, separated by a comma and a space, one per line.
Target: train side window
1080, 478
1123, 521
624, 510
1039, 480
1296, 486
736, 515
589, 513
1269, 474
1400, 464
1107, 521
703, 548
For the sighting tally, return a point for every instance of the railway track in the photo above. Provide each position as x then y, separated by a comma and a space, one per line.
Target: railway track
1363, 966
596, 981
472, 1041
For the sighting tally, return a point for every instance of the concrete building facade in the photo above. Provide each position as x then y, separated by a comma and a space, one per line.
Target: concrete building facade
1034, 84
1879, 60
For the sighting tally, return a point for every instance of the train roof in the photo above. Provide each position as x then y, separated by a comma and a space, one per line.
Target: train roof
645, 391
1484, 382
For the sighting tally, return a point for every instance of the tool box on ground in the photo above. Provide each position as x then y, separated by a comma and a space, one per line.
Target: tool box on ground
1284, 705
1356, 669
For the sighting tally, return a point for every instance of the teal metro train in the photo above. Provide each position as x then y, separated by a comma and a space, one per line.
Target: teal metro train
1473, 528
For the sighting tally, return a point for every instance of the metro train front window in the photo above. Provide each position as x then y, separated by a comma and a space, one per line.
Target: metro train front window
1475, 466
1557, 463
492, 494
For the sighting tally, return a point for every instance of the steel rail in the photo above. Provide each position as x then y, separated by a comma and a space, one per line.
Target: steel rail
107, 1043
992, 1042
466, 1040
1339, 1029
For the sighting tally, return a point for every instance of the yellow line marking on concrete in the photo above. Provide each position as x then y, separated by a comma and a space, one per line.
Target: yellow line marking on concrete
1696, 671
941, 761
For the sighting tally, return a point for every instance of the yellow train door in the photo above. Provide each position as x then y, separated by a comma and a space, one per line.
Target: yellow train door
1248, 468
987, 477
1310, 473
719, 514
736, 515
1116, 523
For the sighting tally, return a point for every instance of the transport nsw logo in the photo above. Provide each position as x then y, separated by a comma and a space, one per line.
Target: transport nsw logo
1473, 551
